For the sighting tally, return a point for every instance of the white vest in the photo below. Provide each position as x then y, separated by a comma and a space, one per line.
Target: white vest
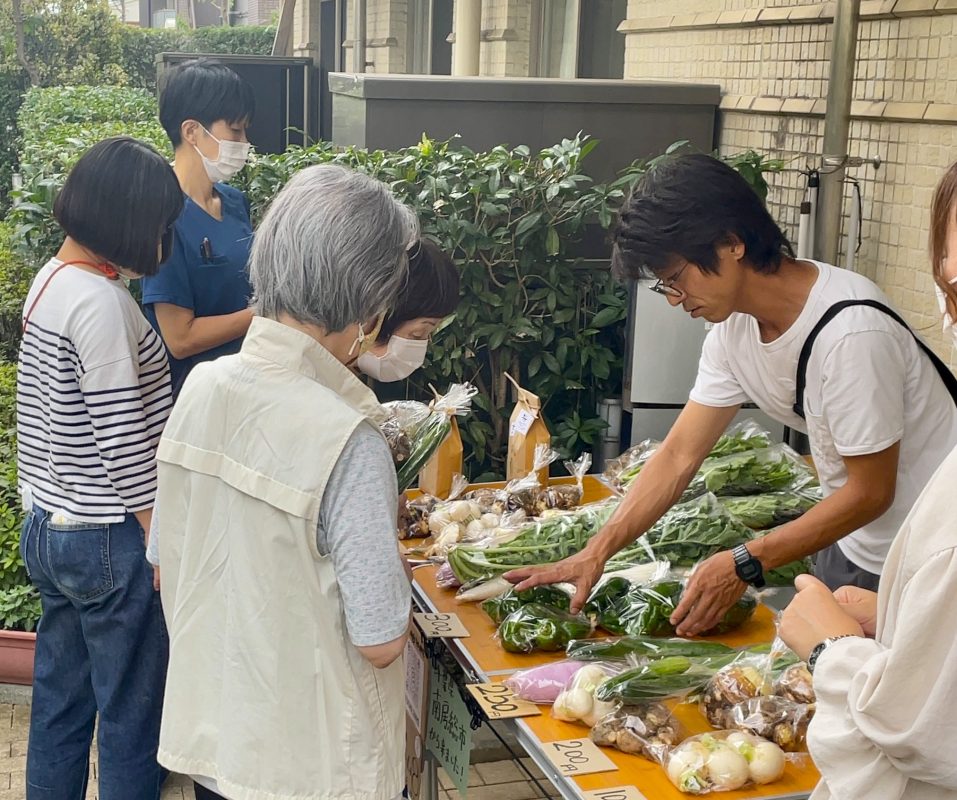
266, 694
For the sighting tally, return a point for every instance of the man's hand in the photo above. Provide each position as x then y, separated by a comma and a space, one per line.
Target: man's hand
711, 590
813, 616
581, 569
860, 604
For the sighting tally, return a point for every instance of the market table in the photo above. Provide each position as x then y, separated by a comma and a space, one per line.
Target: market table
484, 661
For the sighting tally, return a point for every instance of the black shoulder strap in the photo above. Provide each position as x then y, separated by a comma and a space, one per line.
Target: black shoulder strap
942, 369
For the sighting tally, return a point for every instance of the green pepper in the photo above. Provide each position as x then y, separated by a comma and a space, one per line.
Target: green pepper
538, 627
498, 608
605, 596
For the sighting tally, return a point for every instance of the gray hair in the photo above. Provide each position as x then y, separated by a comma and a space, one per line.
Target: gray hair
331, 250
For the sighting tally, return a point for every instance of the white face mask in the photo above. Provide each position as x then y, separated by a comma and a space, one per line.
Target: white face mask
950, 325
401, 358
232, 158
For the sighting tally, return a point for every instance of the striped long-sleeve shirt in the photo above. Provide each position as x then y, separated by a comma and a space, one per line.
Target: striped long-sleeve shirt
93, 395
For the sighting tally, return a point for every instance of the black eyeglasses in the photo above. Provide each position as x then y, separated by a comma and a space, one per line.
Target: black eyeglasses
667, 287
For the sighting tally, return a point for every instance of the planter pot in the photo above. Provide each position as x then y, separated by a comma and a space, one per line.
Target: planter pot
16, 657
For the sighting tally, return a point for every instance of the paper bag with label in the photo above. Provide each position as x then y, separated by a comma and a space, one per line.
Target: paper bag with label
437, 474
526, 431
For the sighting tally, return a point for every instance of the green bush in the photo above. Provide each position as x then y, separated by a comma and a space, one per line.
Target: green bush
19, 602
61, 105
15, 277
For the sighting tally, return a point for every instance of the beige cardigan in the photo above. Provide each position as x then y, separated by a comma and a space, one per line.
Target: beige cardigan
886, 722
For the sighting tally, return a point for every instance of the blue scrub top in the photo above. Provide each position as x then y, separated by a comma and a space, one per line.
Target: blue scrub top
210, 286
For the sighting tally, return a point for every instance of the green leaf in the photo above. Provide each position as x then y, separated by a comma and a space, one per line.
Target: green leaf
552, 243
606, 317
528, 222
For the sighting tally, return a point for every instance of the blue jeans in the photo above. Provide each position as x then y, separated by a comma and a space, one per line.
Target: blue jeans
102, 649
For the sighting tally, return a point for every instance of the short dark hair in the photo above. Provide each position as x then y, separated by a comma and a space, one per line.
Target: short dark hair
118, 201
432, 289
684, 208
206, 91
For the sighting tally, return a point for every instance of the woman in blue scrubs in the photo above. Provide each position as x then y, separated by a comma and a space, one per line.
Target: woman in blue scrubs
199, 300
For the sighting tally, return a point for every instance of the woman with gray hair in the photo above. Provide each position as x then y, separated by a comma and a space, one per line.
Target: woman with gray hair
285, 595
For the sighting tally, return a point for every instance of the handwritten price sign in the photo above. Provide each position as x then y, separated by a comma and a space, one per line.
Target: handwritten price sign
499, 702
575, 757
617, 793
441, 626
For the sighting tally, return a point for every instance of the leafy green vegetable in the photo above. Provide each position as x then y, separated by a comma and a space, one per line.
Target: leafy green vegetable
538, 627
498, 608
541, 542
645, 611
784, 576
686, 534
752, 472
768, 510
673, 676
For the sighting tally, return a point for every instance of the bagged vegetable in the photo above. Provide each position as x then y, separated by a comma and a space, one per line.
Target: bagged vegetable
688, 533
777, 719
669, 677
430, 433
577, 702
543, 684
724, 762
401, 427
737, 683
796, 684
536, 627
770, 469
648, 730
741, 437
620, 472
498, 608
646, 611
477, 591
763, 511
646, 647
414, 517
537, 542
445, 578
566, 496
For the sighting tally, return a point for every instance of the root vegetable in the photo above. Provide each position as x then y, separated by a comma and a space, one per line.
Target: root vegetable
727, 769
766, 763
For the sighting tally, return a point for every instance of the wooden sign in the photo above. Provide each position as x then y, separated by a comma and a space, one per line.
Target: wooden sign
617, 793
575, 757
500, 702
441, 626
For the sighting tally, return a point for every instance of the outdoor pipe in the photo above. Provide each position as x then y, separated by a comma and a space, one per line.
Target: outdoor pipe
468, 37
837, 119
358, 35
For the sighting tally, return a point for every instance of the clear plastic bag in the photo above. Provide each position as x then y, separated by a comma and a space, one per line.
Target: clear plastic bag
763, 511
525, 493
649, 730
577, 702
498, 608
741, 437
744, 679
400, 428
671, 677
796, 684
414, 517
567, 496
776, 719
620, 472
724, 761
432, 431
769, 469
543, 684
445, 578
536, 627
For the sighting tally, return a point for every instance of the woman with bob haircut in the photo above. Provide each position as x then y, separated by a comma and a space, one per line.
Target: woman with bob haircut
199, 303
93, 394
283, 588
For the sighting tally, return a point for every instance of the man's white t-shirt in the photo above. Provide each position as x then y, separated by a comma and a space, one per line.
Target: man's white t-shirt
868, 386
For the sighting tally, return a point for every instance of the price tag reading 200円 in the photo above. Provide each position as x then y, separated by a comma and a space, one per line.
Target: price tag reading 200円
575, 757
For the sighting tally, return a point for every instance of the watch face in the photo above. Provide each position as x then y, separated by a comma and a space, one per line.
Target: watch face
750, 571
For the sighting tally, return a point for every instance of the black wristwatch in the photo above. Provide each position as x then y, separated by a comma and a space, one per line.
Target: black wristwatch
747, 567
819, 649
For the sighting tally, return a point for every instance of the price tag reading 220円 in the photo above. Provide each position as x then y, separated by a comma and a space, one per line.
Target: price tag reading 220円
499, 702
441, 626
575, 757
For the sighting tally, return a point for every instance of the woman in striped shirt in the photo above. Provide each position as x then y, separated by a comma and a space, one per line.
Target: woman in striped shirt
93, 394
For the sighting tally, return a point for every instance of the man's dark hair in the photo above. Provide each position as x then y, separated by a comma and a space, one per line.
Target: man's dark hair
118, 201
683, 209
206, 91
432, 289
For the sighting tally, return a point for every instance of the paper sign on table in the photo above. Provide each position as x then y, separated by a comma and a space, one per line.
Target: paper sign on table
575, 757
616, 793
500, 702
441, 626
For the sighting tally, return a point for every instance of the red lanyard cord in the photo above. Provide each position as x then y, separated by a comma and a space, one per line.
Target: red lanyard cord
106, 269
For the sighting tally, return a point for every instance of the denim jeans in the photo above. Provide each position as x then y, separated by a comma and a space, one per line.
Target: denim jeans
102, 649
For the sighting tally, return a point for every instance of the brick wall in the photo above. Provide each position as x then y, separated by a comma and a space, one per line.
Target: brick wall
771, 59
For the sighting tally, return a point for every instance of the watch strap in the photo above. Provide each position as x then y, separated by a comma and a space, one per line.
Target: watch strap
819, 649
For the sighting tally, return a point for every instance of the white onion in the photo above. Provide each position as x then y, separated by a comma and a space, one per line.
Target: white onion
727, 769
767, 763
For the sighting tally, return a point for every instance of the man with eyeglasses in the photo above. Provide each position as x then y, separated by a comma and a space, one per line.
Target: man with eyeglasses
877, 413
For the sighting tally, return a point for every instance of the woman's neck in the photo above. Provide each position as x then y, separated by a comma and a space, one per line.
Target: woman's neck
72, 251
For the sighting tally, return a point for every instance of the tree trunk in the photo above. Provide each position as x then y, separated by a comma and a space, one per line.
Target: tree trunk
19, 36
